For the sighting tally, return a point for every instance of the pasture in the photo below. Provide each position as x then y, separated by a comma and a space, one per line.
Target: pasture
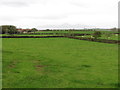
103, 36
77, 31
59, 63
63, 31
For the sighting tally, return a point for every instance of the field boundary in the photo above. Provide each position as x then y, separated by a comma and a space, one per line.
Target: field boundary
30, 36
65, 34
97, 40
73, 37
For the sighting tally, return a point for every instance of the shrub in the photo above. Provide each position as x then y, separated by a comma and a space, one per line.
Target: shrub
97, 34
8, 29
108, 35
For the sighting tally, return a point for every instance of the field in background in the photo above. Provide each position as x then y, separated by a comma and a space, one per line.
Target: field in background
112, 37
62, 31
65, 31
27, 35
59, 62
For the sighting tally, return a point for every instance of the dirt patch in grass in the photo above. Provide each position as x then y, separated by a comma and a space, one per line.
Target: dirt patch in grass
13, 64
39, 67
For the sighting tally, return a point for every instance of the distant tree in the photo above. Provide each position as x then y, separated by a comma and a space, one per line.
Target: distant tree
34, 30
70, 33
114, 29
0, 29
29, 31
4, 29
12, 30
9, 29
97, 34
108, 35
118, 29
47, 29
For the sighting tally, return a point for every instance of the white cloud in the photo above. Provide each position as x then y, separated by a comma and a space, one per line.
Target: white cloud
43, 13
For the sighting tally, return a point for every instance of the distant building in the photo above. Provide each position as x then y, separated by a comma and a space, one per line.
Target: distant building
23, 30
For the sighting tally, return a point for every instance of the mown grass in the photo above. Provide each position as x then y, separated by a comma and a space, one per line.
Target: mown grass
59, 63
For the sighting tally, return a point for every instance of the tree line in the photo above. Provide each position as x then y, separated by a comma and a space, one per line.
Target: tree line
10, 29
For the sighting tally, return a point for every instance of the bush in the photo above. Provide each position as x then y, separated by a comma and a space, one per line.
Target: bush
97, 34
8, 29
34, 30
108, 35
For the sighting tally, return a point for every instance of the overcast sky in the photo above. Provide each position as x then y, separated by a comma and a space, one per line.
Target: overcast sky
43, 14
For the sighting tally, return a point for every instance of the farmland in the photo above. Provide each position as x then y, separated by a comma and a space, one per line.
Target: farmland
77, 31
59, 44
112, 37
59, 63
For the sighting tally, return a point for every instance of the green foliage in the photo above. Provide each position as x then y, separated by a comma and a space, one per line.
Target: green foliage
29, 31
114, 29
9, 29
108, 35
97, 34
0, 29
47, 30
34, 30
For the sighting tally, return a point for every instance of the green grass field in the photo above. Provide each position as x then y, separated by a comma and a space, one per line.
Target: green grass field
103, 36
59, 63
62, 31
26, 35
112, 37
0, 63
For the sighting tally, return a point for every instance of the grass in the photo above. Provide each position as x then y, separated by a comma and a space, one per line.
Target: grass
103, 36
0, 63
62, 31
65, 31
112, 37
59, 63
26, 35
43, 32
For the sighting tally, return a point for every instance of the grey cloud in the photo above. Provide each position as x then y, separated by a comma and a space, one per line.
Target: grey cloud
14, 4
20, 3
78, 4
64, 26
35, 18
9, 19
47, 17
54, 17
